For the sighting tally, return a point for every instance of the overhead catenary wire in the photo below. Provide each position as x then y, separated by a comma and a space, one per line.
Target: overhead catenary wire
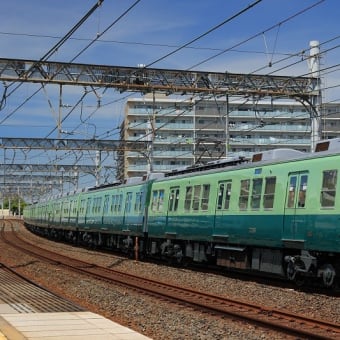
56, 47
278, 25
256, 35
205, 33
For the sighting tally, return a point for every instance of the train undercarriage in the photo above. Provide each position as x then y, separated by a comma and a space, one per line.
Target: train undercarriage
300, 266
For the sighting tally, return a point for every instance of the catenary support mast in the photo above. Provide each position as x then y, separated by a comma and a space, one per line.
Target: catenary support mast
316, 98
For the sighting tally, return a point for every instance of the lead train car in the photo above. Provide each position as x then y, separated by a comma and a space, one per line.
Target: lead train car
278, 214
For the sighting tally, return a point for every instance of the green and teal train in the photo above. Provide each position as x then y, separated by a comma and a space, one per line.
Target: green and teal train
278, 213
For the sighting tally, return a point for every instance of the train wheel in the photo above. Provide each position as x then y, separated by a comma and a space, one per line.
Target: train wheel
328, 275
293, 273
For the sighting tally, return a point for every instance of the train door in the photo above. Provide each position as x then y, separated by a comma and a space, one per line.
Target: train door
294, 218
222, 208
172, 213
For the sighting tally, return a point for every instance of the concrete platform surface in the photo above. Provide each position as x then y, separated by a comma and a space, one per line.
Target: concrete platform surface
63, 326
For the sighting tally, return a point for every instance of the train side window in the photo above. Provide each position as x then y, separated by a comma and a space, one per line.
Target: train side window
188, 195
196, 198
119, 202
113, 203
224, 192
205, 197
173, 199
302, 191
82, 206
65, 208
227, 196
256, 193
154, 200
116, 203
128, 202
291, 192
88, 205
220, 196
157, 200
99, 204
72, 204
244, 194
138, 201
269, 193
106, 204
160, 200
95, 205
328, 190
75, 209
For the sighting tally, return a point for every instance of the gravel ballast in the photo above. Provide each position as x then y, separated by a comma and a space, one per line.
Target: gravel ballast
160, 319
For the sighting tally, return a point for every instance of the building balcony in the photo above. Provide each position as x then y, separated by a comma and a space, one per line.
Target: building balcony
272, 141
270, 114
162, 125
269, 128
171, 112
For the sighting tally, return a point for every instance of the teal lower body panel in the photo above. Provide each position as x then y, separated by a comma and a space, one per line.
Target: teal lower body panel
120, 224
326, 233
236, 229
318, 232
257, 230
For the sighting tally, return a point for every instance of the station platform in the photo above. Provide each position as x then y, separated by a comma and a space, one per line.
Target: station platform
62, 326
28, 311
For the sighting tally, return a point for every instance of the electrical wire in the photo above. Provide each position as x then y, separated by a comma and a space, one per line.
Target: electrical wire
206, 33
183, 47
256, 35
56, 47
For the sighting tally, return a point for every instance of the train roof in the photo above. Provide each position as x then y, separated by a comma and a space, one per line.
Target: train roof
331, 145
325, 147
222, 163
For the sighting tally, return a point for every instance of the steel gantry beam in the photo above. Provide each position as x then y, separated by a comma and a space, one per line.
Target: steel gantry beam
151, 79
29, 168
34, 179
71, 144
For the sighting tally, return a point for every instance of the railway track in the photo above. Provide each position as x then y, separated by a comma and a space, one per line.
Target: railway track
24, 296
270, 318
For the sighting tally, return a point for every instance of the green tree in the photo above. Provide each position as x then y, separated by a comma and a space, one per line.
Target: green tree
14, 202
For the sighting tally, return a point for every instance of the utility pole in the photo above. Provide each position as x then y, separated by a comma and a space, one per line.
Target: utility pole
150, 135
316, 98
98, 166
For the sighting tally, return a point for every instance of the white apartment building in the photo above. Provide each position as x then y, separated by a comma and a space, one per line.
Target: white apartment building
186, 132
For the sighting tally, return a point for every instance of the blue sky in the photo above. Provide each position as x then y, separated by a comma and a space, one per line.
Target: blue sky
270, 31
152, 29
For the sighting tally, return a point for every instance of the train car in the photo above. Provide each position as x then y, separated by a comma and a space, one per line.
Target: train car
114, 216
111, 215
277, 213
